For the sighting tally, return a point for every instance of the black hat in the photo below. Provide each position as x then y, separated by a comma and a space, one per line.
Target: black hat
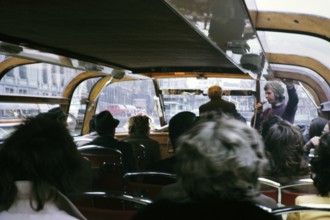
104, 122
56, 113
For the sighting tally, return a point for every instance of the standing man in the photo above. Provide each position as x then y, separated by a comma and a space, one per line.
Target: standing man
274, 93
218, 105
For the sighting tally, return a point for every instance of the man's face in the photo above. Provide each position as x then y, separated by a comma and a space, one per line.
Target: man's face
270, 96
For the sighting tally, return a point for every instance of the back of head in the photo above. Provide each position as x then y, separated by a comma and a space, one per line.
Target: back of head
220, 159
277, 88
320, 166
139, 124
180, 123
268, 123
42, 151
284, 145
316, 126
214, 92
105, 123
57, 114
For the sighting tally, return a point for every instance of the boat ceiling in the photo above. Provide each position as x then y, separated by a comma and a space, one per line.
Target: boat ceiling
137, 35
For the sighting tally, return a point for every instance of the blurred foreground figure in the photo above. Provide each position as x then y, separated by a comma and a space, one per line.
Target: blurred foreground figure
39, 167
218, 163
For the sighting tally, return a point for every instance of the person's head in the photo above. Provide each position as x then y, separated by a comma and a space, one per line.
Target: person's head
320, 166
274, 92
105, 123
178, 124
316, 126
57, 114
269, 122
284, 147
139, 124
43, 152
326, 127
220, 159
214, 92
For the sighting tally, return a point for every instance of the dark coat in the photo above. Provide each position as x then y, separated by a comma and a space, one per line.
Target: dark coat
219, 106
129, 161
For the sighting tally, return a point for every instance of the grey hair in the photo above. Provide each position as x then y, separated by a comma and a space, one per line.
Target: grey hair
221, 159
277, 88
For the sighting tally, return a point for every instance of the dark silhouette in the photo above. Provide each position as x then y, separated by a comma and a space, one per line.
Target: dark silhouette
105, 126
40, 167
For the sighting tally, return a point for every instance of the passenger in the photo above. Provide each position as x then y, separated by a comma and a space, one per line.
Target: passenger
57, 114
320, 168
284, 149
218, 105
138, 133
178, 124
40, 170
219, 160
274, 93
268, 123
105, 126
313, 135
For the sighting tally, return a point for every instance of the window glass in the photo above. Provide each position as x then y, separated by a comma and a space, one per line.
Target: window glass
187, 94
39, 80
128, 98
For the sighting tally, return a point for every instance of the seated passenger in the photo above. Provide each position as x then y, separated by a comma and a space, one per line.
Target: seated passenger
219, 160
320, 168
105, 126
138, 133
40, 169
178, 124
313, 135
284, 149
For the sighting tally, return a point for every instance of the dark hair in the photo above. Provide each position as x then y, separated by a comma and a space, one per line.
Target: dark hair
320, 166
316, 126
43, 152
180, 123
284, 147
139, 124
268, 123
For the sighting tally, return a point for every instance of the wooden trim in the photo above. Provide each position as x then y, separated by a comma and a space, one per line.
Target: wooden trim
91, 105
308, 62
310, 84
10, 63
314, 25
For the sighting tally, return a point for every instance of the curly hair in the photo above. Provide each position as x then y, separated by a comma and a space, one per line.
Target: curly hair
284, 147
320, 166
220, 159
139, 124
42, 151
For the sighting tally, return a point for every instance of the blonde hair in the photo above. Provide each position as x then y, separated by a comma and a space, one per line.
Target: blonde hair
215, 92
